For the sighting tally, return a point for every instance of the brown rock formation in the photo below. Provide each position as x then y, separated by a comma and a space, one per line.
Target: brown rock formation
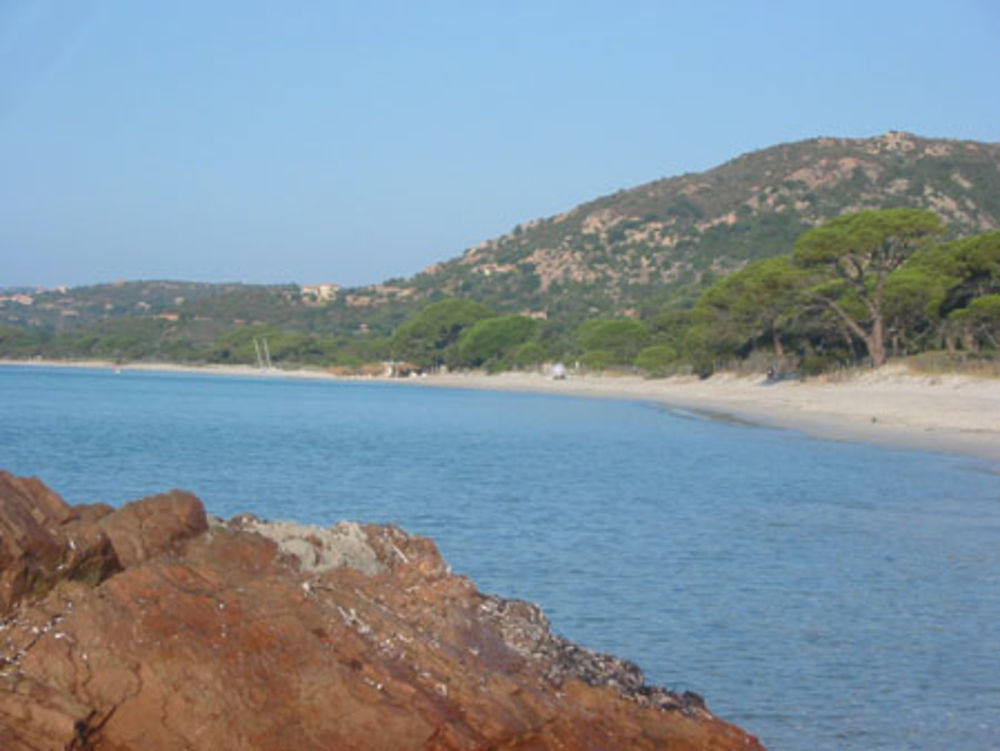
151, 627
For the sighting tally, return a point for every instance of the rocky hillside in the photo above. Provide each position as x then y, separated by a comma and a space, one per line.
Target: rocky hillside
658, 241
155, 627
626, 254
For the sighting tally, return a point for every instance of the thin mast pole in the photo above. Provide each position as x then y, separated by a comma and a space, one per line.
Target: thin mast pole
260, 360
267, 354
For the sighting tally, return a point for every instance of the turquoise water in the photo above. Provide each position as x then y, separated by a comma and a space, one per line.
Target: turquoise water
822, 595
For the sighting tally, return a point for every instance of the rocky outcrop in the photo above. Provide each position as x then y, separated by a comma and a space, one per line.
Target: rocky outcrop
44, 541
154, 627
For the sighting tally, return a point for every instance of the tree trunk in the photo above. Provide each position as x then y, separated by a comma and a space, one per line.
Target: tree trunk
969, 342
779, 351
876, 342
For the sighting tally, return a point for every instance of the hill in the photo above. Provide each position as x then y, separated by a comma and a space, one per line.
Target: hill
64, 307
659, 242
633, 253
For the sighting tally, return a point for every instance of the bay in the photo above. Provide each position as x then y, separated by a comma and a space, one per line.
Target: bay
822, 595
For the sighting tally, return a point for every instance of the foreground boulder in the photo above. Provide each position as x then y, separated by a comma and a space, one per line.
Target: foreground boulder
154, 627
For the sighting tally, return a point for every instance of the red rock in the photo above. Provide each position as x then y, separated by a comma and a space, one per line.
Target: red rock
144, 529
39, 544
249, 635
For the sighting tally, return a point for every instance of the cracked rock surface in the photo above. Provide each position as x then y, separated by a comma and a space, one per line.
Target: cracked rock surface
153, 627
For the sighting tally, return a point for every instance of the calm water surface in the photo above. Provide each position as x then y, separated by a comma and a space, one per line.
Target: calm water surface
822, 595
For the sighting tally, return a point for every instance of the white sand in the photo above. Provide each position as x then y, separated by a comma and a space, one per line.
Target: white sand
889, 406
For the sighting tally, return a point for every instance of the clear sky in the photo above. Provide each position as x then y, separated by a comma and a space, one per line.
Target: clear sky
356, 141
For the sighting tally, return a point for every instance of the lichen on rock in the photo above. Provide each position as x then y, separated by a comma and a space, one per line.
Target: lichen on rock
316, 548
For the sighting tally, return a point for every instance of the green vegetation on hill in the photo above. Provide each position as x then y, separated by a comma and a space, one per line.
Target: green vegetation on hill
663, 243
431, 338
862, 287
497, 343
811, 254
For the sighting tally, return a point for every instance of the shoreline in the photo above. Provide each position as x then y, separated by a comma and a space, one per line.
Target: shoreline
891, 406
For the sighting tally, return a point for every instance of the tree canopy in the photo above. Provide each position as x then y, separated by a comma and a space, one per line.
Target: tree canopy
619, 340
853, 255
491, 340
754, 303
429, 338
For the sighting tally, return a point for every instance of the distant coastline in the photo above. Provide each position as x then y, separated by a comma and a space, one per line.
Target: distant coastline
890, 406
170, 367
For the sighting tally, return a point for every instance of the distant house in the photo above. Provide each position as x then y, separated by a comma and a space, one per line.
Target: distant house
20, 299
319, 293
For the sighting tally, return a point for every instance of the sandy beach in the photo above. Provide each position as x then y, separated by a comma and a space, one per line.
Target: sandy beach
891, 406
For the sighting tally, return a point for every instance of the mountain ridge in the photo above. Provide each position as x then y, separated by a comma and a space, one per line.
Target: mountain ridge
629, 253
654, 235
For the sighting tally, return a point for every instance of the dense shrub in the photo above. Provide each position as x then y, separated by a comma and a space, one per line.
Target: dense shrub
657, 360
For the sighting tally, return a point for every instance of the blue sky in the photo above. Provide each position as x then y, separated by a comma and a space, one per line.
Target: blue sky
353, 142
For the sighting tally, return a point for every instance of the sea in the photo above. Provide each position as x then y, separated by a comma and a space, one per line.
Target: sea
820, 594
